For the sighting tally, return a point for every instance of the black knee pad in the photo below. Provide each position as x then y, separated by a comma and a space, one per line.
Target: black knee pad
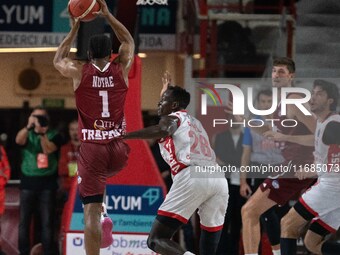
271, 223
318, 229
303, 212
92, 199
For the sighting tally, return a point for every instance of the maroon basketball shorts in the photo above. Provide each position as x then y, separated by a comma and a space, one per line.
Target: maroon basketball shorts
283, 189
97, 162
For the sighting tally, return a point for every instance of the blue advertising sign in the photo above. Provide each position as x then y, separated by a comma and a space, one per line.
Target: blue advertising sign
131, 208
61, 18
34, 15
32, 23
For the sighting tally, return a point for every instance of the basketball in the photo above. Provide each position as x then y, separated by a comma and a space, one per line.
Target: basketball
83, 9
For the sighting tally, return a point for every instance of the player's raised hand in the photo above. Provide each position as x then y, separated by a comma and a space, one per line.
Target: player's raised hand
74, 22
245, 190
166, 81
104, 10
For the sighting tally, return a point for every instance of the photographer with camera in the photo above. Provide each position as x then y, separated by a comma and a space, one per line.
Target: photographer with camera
39, 177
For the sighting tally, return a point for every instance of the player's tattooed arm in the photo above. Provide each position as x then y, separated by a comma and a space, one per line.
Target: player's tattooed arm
166, 127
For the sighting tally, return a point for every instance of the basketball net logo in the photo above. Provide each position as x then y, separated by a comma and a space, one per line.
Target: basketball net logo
152, 2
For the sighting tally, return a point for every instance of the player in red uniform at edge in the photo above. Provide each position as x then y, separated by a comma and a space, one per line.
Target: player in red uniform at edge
5, 172
184, 145
280, 189
100, 88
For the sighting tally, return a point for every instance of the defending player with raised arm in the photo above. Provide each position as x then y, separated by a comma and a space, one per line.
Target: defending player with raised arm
100, 87
177, 132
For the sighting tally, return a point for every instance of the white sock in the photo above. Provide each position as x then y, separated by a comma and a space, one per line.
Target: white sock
276, 252
251, 254
188, 253
104, 211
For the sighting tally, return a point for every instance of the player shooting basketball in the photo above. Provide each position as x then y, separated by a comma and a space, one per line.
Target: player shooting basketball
100, 88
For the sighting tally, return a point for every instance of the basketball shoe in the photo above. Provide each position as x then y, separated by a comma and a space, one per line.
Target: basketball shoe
107, 226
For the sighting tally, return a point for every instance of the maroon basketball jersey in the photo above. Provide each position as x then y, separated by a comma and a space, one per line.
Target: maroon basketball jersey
292, 151
100, 100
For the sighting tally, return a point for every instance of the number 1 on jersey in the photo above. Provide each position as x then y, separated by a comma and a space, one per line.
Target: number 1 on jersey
105, 102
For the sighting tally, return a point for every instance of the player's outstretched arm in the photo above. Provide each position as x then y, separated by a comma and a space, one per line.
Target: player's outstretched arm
166, 127
127, 48
305, 140
66, 66
242, 118
295, 113
61, 60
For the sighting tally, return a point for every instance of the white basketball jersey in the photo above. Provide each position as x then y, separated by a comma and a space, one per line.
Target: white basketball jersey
188, 146
323, 197
327, 157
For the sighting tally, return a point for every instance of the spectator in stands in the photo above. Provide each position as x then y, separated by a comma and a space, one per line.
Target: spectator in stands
5, 171
39, 179
67, 167
228, 148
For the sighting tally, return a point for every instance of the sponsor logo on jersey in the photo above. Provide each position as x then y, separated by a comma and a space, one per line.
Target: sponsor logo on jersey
275, 184
99, 135
104, 125
172, 160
